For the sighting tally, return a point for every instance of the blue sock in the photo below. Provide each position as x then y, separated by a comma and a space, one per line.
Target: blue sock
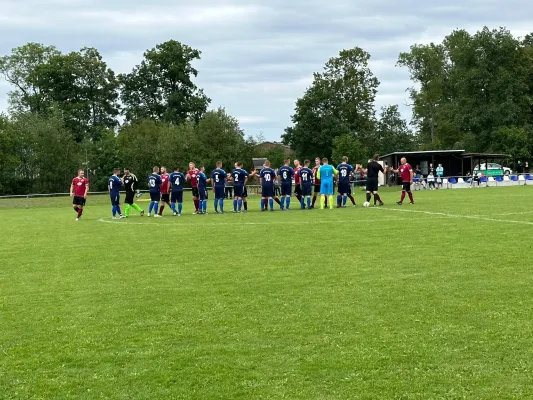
216, 205
234, 205
339, 198
156, 207
173, 206
114, 210
179, 208
344, 198
308, 202
239, 205
288, 202
282, 201
119, 211
221, 201
151, 207
205, 205
302, 204
262, 204
271, 203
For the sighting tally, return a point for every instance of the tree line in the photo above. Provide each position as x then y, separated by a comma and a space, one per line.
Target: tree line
70, 110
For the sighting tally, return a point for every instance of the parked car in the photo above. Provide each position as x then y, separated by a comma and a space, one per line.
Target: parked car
492, 170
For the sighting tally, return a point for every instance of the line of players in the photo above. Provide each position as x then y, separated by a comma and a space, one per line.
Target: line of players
168, 188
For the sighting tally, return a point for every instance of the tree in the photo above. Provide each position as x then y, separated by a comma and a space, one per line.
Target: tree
340, 101
9, 159
18, 69
514, 141
347, 145
161, 87
392, 132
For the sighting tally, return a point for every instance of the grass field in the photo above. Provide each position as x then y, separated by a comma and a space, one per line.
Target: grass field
425, 301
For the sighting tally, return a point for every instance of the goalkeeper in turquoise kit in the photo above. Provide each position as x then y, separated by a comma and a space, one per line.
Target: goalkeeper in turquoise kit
326, 173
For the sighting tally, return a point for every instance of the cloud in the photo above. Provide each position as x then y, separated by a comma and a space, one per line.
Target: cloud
258, 56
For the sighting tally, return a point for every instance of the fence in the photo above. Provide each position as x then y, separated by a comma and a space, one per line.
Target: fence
466, 182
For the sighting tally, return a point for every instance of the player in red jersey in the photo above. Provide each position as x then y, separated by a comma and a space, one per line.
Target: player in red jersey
78, 191
297, 186
192, 176
165, 190
406, 173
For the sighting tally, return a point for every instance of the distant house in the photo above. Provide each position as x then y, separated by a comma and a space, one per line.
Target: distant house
267, 146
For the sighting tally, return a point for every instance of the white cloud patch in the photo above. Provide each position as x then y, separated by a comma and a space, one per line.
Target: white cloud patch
258, 56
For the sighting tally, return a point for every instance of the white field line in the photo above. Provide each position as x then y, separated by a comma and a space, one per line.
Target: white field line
447, 215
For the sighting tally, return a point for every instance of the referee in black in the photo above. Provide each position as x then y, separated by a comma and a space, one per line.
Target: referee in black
131, 184
372, 184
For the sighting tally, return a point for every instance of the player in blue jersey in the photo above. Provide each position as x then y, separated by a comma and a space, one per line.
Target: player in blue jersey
176, 179
218, 177
306, 183
266, 176
239, 177
154, 186
326, 173
345, 172
202, 190
286, 173
113, 186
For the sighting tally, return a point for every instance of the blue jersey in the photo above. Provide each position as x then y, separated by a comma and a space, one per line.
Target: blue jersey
267, 176
326, 172
202, 180
177, 179
286, 173
238, 176
154, 183
306, 176
114, 184
345, 170
218, 177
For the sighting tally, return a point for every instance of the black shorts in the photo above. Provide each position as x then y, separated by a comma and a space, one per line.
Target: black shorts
344, 187
165, 197
238, 191
286, 189
220, 192
406, 186
298, 189
317, 188
195, 192
372, 185
129, 198
306, 190
78, 201
115, 200
177, 196
155, 196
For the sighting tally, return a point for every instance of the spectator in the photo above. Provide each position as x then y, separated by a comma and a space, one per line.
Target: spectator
431, 180
440, 174
229, 187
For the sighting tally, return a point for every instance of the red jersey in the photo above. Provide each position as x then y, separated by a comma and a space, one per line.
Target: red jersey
315, 173
297, 175
405, 172
193, 173
79, 186
164, 183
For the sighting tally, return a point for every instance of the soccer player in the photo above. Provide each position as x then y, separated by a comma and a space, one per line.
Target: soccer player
345, 171
317, 182
202, 190
218, 177
326, 173
286, 173
113, 187
165, 190
406, 173
130, 185
154, 185
372, 174
78, 191
266, 176
176, 179
239, 177
297, 187
192, 174
306, 179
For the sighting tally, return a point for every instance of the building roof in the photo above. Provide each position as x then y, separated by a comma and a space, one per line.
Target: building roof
486, 155
427, 152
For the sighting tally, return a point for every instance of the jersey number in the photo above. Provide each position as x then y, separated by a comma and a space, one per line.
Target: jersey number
267, 178
216, 178
177, 181
151, 182
343, 173
110, 184
304, 176
284, 174
236, 179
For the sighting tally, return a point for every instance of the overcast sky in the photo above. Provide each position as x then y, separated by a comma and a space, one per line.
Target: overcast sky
258, 56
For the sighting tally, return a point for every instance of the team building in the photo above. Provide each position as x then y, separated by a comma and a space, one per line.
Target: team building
167, 188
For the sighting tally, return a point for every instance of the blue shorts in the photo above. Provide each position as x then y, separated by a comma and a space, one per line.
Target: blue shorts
326, 187
286, 189
177, 196
220, 192
238, 191
307, 190
202, 193
267, 191
155, 196
115, 200
344, 187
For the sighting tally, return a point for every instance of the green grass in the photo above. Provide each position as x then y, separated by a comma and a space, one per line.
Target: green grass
431, 301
